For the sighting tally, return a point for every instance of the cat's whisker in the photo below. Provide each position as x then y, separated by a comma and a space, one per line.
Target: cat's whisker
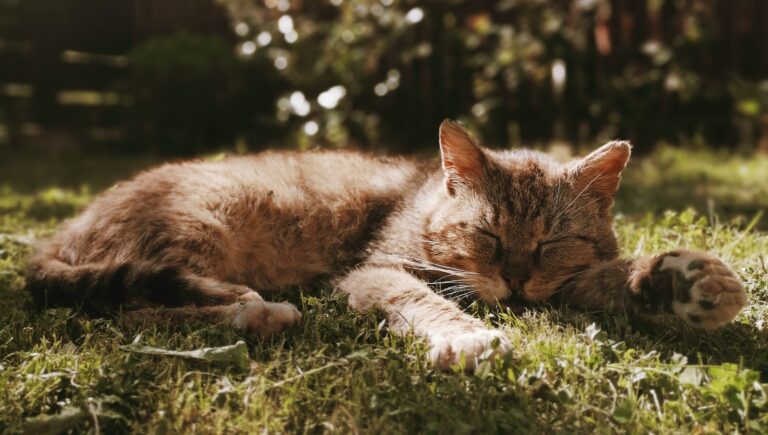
446, 279
461, 299
563, 278
558, 194
435, 269
455, 289
440, 282
458, 297
457, 292
557, 281
583, 206
567, 207
459, 272
428, 266
430, 241
600, 174
449, 278
570, 275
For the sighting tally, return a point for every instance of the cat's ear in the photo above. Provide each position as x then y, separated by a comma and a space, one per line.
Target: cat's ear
600, 172
463, 161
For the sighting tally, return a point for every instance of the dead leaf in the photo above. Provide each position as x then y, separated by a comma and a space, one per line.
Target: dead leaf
44, 424
236, 353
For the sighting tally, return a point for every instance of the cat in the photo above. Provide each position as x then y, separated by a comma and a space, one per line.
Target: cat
204, 239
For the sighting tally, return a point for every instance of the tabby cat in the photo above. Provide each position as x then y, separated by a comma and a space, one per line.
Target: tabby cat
207, 239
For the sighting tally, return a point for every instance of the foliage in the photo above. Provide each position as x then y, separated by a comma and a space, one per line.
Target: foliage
191, 94
517, 70
384, 73
340, 371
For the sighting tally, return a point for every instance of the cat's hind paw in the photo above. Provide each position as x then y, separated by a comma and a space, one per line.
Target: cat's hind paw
698, 288
258, 318
469, 347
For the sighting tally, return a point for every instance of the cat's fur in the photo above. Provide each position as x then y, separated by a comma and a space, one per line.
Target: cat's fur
202, 238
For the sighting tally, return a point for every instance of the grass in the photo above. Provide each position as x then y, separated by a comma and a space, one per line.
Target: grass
715, 183
341, 372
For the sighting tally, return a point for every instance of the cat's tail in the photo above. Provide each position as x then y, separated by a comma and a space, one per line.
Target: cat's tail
101, 288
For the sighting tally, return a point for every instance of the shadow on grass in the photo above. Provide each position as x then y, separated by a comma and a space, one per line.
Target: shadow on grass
739, 343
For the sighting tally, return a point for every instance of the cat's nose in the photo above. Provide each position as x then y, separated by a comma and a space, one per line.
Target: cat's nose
516, 273
514, 284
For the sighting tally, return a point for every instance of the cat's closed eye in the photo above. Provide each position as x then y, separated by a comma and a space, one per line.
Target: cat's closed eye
494, 240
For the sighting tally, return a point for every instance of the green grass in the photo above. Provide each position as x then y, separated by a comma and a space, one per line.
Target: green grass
342, 372
715, 183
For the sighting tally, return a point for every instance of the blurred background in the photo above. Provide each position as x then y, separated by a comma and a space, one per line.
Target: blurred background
89, 87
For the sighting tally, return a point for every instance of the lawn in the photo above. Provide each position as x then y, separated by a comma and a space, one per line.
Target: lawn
342, 372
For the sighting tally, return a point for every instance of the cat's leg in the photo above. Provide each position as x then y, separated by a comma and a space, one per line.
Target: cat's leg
178, 293
202, 290
193, 289
250, 314
410, 305
696, 287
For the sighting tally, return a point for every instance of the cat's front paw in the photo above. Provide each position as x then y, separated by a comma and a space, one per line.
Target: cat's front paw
471, 347
697, 287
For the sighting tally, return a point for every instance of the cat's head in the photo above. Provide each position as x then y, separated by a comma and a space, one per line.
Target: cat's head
518, 222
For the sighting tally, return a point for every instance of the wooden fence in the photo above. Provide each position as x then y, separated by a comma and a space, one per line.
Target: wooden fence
62, 64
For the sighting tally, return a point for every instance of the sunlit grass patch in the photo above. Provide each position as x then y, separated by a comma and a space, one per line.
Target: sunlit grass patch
712, 182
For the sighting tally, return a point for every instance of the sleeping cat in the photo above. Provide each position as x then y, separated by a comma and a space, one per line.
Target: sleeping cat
207, 239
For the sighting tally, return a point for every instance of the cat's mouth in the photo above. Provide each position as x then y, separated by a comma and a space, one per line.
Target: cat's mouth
491, 290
